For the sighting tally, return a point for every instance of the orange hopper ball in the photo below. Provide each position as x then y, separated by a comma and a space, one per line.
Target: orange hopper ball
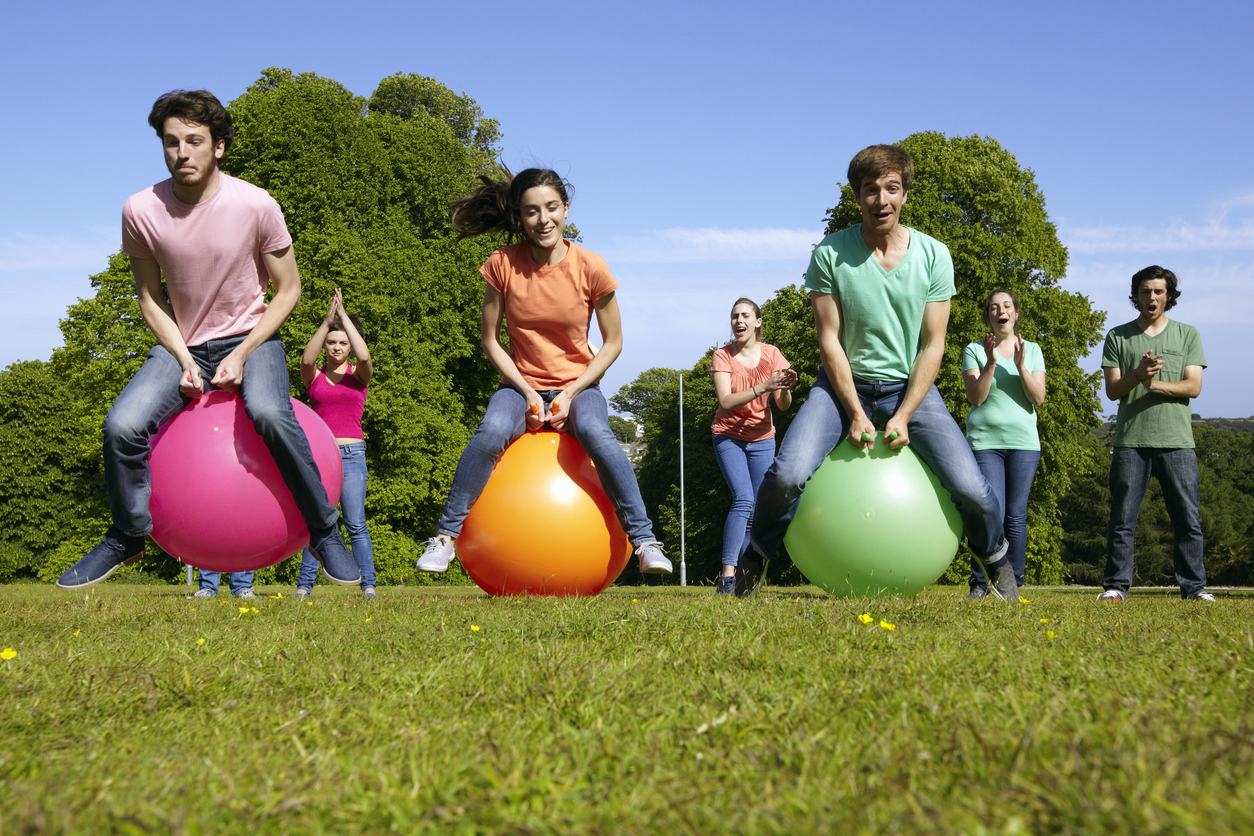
543, 525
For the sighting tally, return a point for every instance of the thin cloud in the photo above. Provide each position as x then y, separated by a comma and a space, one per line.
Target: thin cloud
1180, 238
711, 244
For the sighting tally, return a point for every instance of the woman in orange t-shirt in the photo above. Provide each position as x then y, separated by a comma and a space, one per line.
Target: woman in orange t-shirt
746, 373
546, 290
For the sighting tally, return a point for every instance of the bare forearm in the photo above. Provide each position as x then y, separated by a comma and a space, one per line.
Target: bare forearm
597, 368
1176, 388
978, 389
783, 399
922, 376
840, 375
500, 358
160, 320
309, 357
1033, 387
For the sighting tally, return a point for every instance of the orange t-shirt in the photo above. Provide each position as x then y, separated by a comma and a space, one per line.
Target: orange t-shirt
548, 309
751, 422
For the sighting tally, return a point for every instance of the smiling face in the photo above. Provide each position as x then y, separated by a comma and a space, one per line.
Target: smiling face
337, 347
881, 200
1001, 314
191, 155
1151, 299
543, 215
745, 323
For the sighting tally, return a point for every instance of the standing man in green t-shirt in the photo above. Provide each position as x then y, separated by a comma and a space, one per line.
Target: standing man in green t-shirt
1153, 366
881, 296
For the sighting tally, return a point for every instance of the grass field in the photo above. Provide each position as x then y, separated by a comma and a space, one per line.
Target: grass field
646, 710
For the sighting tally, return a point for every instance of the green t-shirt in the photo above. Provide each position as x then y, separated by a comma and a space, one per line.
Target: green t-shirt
1148, 419
881, 312
1007, 419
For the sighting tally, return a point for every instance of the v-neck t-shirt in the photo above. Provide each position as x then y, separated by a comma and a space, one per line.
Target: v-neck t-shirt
881, 312
1007, 419
548, 309
753, 421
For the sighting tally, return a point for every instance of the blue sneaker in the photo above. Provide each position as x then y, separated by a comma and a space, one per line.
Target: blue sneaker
337, 561
725, 586
113, 552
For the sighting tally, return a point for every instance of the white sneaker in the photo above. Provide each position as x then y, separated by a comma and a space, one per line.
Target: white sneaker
247, 594
652, 560
1202, 595
437, 555
1112, 595
203, 593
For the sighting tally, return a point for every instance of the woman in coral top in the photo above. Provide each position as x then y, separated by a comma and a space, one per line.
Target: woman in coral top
545, 289
337, 392
747, 374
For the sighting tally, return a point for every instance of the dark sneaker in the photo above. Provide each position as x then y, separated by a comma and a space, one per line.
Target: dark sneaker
113, 552
749, 574
337, 562
725, 586
1003, 582
977, 593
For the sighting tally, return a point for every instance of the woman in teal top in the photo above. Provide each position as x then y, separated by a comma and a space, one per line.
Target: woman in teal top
1005, 380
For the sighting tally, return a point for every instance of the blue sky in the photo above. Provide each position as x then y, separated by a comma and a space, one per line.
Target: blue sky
705, 141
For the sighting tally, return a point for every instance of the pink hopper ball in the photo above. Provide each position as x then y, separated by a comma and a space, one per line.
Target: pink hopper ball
218, 501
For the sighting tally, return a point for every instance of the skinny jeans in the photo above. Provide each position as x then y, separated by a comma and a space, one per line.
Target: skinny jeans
1010, 474
353, 512
744, 465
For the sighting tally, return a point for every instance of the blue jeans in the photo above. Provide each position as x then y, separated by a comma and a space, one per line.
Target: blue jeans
152, 397
589, 424
743, 463
1010, 474
1130, 472
822, 423
353, 510
237, 582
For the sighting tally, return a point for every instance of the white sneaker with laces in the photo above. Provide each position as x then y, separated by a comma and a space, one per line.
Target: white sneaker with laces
1113, 595
652, 560
1202, 595
438, 554
247, 594
203, 593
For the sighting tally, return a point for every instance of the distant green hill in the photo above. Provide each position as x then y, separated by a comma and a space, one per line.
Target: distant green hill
1236, 425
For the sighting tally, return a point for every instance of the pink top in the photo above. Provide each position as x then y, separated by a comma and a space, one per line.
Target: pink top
209, 253
751, 422
339, 404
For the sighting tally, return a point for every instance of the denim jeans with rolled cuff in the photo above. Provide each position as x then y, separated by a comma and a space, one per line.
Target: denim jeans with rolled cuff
822, 423
1010, 473
1177, 473
353, 512
744, 465
588, 422
237, 582
152, 397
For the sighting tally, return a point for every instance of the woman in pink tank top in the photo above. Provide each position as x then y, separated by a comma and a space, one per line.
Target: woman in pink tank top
747, 374
337, 392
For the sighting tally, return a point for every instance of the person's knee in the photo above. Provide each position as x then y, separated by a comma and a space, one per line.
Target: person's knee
267, 411
123, 425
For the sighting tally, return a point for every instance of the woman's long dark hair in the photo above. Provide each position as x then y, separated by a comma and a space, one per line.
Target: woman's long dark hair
494, 207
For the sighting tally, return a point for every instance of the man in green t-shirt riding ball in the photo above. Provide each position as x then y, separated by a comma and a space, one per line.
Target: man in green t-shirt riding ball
1153, 366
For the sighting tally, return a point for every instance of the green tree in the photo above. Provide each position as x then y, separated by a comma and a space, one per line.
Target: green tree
636, 398
624, 430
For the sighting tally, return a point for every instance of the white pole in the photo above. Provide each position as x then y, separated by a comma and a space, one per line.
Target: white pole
683, 564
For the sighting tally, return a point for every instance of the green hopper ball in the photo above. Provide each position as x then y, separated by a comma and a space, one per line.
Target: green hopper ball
873, 522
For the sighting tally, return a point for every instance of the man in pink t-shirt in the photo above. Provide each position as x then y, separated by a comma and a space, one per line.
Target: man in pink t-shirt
218, 243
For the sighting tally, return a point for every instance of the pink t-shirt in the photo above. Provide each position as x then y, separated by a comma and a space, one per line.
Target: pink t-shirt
339, 404
209, 253
548, 310
751, 422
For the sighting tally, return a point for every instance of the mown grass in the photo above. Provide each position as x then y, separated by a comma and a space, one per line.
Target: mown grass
645, 710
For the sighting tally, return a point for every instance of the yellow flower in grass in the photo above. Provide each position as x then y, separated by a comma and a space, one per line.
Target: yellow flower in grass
865, 618
370, 619
889, 627
1023, 600
474, 628
76, 632
1044, 620
7, 654
635, 600
1049, 634
256, 610
200, 641
243, 610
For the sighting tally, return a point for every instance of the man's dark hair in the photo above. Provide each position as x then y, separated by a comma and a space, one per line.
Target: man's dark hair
878, 160
1155, 272
199, 106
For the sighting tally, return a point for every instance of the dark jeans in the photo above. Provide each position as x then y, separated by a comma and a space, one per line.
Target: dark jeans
822, 423
743, 464
1010, 474
152, 397
1130, 472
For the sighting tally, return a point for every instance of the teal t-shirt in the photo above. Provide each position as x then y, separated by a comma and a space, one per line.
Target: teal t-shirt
881, 312
1007, 419
1148, 419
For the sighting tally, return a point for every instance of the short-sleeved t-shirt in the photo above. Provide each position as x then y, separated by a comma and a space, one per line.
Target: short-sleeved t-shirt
753, 421
209, 253
881, 312
1007, 419
548, 309
1151, 419
339, 405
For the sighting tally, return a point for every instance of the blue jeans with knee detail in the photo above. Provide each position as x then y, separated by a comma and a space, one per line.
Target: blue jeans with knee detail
152, 397
822, 423
353, 511
1178, 476
1010, 474
588, 422
743, 464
